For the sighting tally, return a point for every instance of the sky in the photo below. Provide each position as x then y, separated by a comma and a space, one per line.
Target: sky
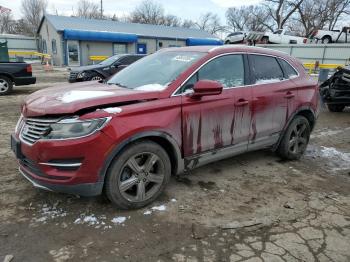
186, 9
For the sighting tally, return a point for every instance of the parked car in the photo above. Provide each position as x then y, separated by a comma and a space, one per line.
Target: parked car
331, 36
235, 38
175, 110
282, 36
14, 73
335, 92
102, 70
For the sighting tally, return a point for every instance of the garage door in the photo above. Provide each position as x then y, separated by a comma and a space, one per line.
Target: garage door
119, 49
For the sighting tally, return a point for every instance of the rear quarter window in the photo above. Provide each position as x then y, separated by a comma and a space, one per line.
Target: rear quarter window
289, 71
265, 69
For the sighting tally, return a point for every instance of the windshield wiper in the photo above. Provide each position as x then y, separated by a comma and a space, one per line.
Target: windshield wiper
118, 84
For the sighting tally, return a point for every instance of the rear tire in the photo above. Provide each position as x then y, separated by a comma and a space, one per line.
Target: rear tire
6, 85
138, 175
295, 139
336, 108
265, 40
326, 40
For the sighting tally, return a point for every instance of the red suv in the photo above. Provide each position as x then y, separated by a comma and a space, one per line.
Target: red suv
169, 112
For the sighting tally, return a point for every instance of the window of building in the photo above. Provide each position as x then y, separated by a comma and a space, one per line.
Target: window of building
54, 46
44, 47
265, 69
119, 49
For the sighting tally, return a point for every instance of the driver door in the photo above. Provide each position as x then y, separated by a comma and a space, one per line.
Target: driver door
207, 123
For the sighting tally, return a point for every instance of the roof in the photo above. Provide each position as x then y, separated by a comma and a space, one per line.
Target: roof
61, 23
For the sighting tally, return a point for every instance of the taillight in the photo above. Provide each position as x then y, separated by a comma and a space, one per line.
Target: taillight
305, 40
29, 69
314, 32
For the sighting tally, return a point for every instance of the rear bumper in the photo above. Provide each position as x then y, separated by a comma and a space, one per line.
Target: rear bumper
25, 80
87, 189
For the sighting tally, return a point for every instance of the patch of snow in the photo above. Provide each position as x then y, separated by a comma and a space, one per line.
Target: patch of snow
76, 95
147, 212
329, 132
113, 110
159, 208
151, 87
118, 220
90, 220
336, 160
267, 81
47, 213
173, 200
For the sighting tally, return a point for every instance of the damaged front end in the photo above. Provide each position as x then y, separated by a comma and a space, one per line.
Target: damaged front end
335, 91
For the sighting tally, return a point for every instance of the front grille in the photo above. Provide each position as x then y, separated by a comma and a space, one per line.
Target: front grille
35, 128
73, 75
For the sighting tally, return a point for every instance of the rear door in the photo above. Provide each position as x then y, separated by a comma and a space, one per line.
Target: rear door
271, 92
208, 122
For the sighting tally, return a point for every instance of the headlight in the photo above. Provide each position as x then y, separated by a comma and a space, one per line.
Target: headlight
19, 124
81, 75
74, 128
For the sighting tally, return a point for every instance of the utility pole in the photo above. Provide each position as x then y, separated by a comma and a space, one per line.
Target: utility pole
101, 9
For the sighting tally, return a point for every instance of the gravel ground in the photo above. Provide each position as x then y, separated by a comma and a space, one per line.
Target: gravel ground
253, 207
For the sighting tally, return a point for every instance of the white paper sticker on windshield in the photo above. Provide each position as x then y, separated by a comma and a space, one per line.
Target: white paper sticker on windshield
183, 58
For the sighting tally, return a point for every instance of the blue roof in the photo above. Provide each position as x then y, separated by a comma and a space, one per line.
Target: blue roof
99, 36
61, 23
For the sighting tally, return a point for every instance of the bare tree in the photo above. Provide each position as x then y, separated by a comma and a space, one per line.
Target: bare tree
322, 14
171, 20
33, 11
210, 22
148, 12
88, 9
249, 18
188, 23
282, 10
6, 22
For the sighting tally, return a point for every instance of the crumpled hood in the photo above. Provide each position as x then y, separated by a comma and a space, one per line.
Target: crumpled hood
70, 98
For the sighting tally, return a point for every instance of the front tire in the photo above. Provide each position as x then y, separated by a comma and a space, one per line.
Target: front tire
6, 85
295, 139
336, 108
95, 77
138, 175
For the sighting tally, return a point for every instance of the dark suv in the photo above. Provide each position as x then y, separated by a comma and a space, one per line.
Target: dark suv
102, 70
169, 112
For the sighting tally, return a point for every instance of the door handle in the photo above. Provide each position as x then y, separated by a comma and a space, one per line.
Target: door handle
289, 95
242, 102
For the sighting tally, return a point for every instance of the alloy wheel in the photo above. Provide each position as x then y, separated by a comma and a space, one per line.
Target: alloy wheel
141, 177
4, 86
298, 139
96, 78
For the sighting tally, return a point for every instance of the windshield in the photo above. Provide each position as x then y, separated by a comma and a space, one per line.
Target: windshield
156, 71
110, 60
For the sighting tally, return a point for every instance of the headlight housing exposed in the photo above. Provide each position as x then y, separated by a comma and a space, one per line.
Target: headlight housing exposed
74, 128
81, 75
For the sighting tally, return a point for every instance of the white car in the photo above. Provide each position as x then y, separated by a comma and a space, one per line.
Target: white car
235, 37
282, 36
327, 36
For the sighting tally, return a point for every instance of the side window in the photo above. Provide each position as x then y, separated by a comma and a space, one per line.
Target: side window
265, 69
228, 70
44, 47
289, 71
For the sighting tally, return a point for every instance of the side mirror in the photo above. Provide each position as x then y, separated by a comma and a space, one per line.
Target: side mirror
206, 88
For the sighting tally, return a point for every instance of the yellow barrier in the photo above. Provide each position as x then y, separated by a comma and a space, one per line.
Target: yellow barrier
33, 53
98, 57
326, 66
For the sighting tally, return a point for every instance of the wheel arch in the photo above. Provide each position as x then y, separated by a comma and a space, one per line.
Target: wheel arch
7, 75
99, 72
166, 141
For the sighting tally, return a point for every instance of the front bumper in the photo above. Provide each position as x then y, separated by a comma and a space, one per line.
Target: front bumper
68, 166
87, 189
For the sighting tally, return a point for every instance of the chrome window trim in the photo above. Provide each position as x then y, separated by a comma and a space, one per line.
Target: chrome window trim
235, 53
60, 164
